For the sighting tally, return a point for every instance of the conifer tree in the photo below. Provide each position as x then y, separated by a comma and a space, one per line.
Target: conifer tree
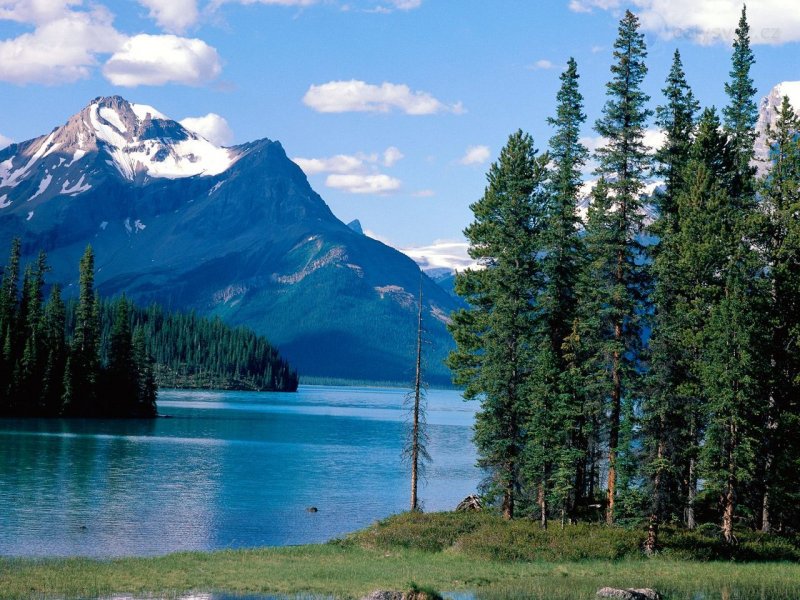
80, 388
9, 297
780, 193
555, 431
624, 163
741, 113
493, 354
121, 393
664, 409
56, 349
147, 388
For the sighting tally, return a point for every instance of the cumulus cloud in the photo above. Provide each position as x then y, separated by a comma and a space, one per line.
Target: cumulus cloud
378, 183
542, 65
709, 21
424, 194
475, 155
359, 96
356, 173
4, 141
160, 59
62, 48
173, 15
391, 156
68, 42
341, 163
442, 254
212, 127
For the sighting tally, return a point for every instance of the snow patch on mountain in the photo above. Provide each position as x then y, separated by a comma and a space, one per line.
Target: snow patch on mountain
43, 185
142, 111
78, 188
4, 202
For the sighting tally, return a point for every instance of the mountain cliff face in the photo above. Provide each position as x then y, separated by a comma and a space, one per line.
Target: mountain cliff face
235, 232
768, 115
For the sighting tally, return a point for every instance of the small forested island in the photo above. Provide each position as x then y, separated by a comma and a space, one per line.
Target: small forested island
106, 358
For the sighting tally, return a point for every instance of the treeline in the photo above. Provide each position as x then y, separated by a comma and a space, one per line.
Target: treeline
46, 372
648, 369
197, 352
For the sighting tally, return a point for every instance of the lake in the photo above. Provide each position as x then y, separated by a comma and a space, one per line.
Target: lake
224, 470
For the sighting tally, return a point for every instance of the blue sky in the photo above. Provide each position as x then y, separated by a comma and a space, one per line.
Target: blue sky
396, 106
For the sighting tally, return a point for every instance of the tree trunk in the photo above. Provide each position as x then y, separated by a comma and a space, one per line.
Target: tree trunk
542, 506
415, 441
508, 495
729, 498
651, 544
692, 485
766, 524
613, 436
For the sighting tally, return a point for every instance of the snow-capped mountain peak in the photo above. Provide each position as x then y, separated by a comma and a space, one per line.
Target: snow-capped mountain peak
768, 113
137, 141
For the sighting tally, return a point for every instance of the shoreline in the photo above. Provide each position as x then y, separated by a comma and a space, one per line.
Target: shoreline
418, 549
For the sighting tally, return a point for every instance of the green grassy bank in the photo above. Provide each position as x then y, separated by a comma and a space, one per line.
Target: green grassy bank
445, 552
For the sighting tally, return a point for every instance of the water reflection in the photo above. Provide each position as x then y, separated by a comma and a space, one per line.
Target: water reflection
224, 470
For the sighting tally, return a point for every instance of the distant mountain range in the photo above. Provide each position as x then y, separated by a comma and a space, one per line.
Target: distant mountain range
235, 232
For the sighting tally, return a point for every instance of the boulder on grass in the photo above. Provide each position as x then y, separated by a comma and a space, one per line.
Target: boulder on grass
628, 594
469, 504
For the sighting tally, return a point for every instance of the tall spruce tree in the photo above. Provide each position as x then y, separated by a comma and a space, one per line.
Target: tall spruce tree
9, 297
56, 348
556, 430
80, 386
741, 113
780, 193
664, 410
494, 349
624, 163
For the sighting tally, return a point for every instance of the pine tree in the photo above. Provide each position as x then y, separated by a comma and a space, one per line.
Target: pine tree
624, 163
9, 298
741, 113
146, 405
121, 389
780, 192
664, 410
493, 355
56, 349
80, 388
555, 440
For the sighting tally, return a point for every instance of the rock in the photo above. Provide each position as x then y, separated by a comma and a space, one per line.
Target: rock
629, 594
384, 595
312, 509
469, 504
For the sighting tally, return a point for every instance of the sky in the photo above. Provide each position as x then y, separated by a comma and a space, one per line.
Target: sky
393, 108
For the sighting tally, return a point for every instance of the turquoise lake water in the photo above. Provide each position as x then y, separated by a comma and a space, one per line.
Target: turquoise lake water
224, 470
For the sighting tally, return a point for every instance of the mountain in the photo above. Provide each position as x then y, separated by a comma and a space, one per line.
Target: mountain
768, 115
236, 232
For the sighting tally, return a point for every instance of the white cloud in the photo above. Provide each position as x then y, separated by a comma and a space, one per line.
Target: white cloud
173, 15
542, 65
424, 194
62, 48
442, 254
35, 11
355, 173
359, 96
341, 163
475, 155
161, 59
363, 184
710, 21
391, 156
4, 141
212, 127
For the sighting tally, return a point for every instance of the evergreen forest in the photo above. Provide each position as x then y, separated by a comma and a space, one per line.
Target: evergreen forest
637, 355
91, 357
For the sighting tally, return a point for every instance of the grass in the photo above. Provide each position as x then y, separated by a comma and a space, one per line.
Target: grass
443, 552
